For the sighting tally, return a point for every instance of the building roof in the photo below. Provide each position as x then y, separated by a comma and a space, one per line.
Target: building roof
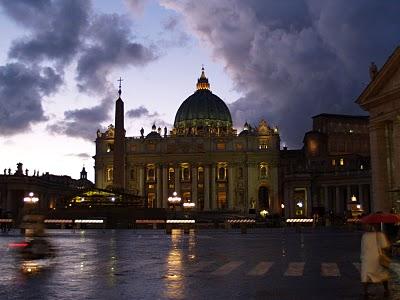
338, 116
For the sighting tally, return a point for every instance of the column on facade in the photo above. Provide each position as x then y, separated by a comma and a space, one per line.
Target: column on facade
141, 180
287, 201
206, 187
159, 186
348, 194
165, 186
326, 198
194, 186
251, 179
274, 194
337, 200
396, 153
213, 188
380, 197
177, 181
309, 203
231, 186
361, 199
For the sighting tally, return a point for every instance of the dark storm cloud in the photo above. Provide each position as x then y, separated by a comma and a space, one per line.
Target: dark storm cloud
58, 33
83, 123
21, 91
141, 111
294, 59
80, 155
109, 47
55, 29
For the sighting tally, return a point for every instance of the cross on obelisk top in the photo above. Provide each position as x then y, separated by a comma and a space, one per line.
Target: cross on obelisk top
120, 81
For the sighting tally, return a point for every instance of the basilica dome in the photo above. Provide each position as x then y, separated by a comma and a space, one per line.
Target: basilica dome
203, 110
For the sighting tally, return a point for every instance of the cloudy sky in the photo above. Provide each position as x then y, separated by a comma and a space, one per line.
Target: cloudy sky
283, 61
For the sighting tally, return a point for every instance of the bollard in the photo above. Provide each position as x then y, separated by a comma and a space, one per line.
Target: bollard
243, 228
154, 225
168, 229
62, 226
228, 226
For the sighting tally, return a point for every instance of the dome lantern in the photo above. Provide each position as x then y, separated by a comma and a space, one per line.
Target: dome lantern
202, 82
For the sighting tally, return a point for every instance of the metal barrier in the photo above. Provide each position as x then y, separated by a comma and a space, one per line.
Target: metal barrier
6, 220
246, 221
58, 221
299, 220
180, 221
150, 221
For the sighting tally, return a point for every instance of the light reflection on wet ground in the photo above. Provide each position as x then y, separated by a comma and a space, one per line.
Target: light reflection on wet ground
148, 264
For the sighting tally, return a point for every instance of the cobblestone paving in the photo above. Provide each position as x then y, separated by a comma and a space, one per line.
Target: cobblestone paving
214, 264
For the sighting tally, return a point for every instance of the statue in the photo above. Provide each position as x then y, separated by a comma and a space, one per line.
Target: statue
373, 70
5, 171
98, 133
142, 132
26, 172
165, 131
9, 171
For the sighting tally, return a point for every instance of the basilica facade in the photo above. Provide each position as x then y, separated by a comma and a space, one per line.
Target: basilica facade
202, 158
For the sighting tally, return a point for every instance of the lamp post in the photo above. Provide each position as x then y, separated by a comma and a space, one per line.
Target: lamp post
174, 201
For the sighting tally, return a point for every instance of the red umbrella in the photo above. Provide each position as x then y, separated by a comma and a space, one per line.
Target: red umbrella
381, 217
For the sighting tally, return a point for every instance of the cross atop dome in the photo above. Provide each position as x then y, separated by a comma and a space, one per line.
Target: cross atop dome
202, 82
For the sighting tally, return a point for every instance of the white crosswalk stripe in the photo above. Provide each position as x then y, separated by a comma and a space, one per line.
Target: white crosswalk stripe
227, 268
329, 270
295, 269
261, 268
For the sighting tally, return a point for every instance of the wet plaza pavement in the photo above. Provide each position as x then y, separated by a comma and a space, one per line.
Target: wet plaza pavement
209, 264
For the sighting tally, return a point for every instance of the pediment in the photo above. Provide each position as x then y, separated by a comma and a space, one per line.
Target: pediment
387, 80
390, 84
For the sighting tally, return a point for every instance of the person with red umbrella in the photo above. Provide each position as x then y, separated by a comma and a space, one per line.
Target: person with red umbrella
373, 246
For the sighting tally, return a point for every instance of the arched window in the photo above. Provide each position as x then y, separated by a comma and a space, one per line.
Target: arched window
185, 171
263, 170
171, 174
151, 176
221, 173
240, 172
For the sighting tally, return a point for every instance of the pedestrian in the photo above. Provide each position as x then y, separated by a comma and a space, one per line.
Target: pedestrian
373, 244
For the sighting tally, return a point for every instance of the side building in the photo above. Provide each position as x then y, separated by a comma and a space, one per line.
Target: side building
202, 158
381, 99
331, 174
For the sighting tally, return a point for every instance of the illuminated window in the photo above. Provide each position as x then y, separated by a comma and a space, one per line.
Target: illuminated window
185, 172
221, 146
221, 173
171, 174
221, 200
361, 167
109, 174
109, 147
263, 170
200, 174
333, 162
151, 200
151, 174
263, 146
342, 162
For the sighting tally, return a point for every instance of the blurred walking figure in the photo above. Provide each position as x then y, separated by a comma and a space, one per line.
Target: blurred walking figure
373, 245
